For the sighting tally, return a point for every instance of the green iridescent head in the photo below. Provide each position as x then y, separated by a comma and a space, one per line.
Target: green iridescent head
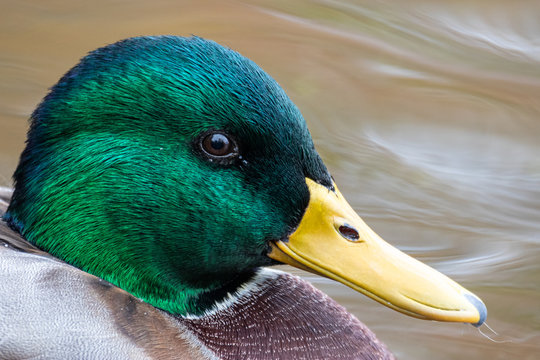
174, 168
165, 165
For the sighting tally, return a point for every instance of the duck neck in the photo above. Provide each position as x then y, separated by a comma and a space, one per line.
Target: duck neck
171, 292
124, 254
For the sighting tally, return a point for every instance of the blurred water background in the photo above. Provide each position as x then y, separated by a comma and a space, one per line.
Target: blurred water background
426, 112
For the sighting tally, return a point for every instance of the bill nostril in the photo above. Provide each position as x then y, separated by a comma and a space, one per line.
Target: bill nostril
349, 233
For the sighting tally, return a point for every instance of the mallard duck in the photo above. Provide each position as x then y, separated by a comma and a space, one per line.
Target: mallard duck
161, 177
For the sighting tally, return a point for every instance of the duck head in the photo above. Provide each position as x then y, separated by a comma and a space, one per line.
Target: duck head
174, 168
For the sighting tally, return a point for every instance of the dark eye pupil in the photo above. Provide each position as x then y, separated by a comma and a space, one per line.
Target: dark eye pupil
218, 144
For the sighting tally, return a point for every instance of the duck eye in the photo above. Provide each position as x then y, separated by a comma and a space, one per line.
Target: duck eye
219, 145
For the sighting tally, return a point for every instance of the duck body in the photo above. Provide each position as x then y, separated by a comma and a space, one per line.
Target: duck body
161, 176
62, 312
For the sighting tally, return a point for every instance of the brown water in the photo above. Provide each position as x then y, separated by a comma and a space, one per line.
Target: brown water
426, 112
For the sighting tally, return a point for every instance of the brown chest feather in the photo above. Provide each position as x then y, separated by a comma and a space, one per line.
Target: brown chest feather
286, 319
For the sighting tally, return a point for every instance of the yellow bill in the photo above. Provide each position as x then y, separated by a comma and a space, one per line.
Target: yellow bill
333, 241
